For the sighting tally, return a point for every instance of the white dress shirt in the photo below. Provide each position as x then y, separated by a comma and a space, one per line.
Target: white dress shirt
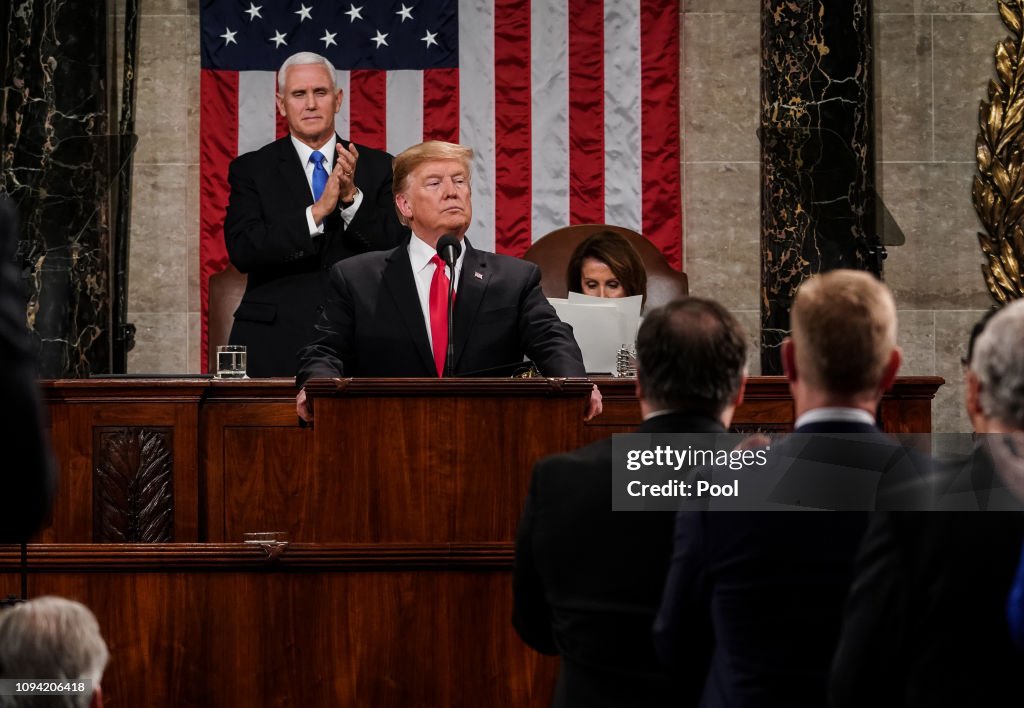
835, 415
420, 254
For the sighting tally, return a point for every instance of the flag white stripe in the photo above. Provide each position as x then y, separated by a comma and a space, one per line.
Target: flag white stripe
549, 72
341, 118
257, 116
476, 111
404, 110
623, 180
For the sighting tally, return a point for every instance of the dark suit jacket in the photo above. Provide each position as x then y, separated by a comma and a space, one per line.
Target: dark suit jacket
588, 580
267, 237
374, 326
754, 600
925, 622
27, 473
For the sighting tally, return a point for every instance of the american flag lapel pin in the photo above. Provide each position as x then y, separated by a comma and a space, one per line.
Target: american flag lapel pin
478, 275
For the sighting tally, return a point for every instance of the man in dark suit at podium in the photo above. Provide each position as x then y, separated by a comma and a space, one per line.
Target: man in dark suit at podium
587, 579
27, 476
387, 311
297, 206
753, 601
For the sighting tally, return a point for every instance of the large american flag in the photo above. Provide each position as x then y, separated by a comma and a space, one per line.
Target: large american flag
572, 106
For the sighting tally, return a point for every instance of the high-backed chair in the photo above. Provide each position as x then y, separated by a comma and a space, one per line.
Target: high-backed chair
226, 290
552, 253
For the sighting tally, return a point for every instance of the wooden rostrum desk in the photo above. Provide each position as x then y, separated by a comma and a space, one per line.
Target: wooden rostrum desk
398, 507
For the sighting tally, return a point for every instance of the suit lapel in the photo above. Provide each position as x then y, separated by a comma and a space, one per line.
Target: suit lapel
399, 283
473, 281
292, 175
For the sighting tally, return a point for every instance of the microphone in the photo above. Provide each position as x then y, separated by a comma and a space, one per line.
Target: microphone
449, 248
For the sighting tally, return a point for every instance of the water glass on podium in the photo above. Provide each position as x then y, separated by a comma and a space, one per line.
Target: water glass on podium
231, 360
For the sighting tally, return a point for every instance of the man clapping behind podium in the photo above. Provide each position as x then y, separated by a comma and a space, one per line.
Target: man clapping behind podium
387, 311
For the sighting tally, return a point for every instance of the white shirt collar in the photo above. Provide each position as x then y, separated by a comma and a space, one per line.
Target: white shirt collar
304, 151
420, 254
835, 415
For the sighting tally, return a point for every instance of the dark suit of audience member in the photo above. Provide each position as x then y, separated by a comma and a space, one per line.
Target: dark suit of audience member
753, 601
382, 318
587, 579
27, 475
925, 623
284, 238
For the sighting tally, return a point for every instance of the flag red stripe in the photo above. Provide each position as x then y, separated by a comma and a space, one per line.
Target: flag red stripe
218, 145
441, 105
659, 99
368, 92
512, 127
586, 112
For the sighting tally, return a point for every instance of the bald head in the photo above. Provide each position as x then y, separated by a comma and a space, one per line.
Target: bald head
844, 332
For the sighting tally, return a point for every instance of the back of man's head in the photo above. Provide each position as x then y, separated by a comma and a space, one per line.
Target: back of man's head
691, 355
844, 332
998, 363
51, 638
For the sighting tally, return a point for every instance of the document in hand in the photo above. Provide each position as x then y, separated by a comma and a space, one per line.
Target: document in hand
601, 326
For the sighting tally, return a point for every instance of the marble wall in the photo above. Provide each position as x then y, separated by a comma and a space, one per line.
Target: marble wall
55, 163
933, 59
932, 62
163, 299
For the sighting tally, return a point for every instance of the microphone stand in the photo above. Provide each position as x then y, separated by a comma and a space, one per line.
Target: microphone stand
450, 357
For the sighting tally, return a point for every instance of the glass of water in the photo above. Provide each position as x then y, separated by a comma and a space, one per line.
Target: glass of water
231, 361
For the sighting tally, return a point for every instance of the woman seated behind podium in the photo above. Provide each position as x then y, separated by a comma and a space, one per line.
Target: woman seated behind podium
605, 264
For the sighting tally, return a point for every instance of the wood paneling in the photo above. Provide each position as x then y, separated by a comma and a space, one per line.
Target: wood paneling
435, 461
80, 408
222, 626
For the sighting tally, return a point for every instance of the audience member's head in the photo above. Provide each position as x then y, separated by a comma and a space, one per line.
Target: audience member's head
995, 376
51, 638
691, 356
842, 351
605, 264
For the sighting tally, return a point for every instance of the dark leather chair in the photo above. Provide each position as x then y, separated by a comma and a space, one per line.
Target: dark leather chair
226, 290
552, 253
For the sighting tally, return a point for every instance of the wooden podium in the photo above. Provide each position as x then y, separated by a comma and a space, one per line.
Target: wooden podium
389, 582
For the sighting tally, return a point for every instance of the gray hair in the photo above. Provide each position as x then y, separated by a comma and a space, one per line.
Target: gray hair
51, 638
998, 361
300, 59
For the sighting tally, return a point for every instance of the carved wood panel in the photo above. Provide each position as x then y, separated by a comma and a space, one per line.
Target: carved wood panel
133, 486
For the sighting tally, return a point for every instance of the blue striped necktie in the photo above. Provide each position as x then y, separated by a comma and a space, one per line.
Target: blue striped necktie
319, 174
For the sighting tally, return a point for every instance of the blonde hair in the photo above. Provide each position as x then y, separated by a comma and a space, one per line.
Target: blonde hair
408, 160
844, 331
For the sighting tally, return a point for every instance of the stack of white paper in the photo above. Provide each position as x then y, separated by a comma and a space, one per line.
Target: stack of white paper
601, 326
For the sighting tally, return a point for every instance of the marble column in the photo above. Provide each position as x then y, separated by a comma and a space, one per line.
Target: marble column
57, 166
816, 152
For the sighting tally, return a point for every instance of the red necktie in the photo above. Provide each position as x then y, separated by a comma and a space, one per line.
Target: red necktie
439, 313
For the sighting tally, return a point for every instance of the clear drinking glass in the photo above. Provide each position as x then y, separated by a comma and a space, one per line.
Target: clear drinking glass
231, 359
